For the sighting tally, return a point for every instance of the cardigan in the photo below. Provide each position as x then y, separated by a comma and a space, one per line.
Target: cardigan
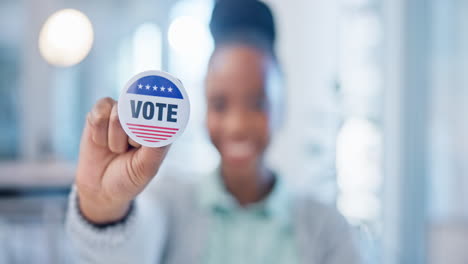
166, 225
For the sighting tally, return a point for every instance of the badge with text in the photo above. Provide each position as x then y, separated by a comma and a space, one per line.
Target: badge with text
154, 108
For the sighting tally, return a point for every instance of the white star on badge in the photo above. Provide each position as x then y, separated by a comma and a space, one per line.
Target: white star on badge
147, 87
155, 88
163, 88
140, 86
169, 89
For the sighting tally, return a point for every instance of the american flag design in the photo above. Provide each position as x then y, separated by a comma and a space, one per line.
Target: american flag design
152, 133
154, 108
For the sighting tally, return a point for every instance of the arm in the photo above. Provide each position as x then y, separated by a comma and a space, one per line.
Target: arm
139, 238
112, 171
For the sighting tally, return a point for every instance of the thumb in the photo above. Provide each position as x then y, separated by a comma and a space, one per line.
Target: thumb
147, 161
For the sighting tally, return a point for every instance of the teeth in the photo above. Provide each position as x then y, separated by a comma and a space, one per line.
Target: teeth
239, 149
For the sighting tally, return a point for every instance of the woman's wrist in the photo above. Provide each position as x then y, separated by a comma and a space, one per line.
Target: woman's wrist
99, 212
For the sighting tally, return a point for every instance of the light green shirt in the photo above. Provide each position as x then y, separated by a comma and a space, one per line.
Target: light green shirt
260, 233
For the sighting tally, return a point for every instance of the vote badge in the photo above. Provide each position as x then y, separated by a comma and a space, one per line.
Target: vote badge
154, 108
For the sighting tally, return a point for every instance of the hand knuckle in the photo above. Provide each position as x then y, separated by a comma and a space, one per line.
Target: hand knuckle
100, 118
106, 101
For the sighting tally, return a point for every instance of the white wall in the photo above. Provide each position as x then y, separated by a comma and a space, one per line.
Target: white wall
307, 47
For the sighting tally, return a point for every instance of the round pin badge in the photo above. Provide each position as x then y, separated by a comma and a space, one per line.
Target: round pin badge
154, 108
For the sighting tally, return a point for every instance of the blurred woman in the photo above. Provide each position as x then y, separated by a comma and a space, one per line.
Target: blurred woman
242, 212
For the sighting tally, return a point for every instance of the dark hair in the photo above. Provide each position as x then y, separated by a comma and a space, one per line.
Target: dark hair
248, 22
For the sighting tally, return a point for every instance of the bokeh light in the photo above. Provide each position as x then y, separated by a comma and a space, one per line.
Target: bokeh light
358, 162
66, 38
188, 35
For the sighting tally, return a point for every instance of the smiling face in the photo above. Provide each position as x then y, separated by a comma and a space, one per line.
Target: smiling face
238, 114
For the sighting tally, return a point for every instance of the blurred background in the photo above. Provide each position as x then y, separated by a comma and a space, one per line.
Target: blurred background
377, 98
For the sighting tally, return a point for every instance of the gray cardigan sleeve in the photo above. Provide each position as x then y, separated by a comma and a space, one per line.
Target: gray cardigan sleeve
323, 228
138, 239
340, 242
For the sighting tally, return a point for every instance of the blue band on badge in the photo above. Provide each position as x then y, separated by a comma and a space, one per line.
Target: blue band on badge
155, 86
